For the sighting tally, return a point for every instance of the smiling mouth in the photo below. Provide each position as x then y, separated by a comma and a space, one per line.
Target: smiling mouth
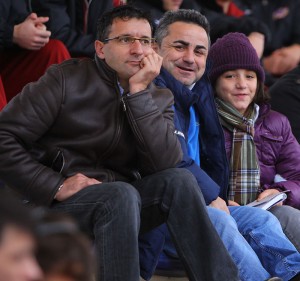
241, 96
185, 68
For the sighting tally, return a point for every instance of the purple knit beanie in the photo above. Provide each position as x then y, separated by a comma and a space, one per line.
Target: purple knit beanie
233, 51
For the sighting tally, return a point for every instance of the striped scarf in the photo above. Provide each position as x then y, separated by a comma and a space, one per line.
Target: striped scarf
244, 179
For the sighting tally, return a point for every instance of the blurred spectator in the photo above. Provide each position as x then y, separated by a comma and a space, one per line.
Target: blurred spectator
230, 9
220, 23
64, 253
236, 21
25, 48
285, 98
74, 22
227, 7
17, 242
282, 51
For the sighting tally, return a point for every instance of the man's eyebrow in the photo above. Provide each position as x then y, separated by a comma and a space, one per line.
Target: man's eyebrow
200, 47
181, 42
130, 35
187, 44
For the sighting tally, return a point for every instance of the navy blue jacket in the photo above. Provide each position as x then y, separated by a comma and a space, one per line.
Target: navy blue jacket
12, 12
212, 176
66, 22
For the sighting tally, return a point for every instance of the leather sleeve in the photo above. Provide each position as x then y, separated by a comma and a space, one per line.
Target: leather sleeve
150, 115
23, 121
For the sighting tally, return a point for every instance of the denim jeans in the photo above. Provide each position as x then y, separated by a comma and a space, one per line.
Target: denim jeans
263, 232
248, 263
114, 213
266, 252
289, 219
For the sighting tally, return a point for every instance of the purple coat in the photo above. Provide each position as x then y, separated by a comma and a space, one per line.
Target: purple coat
278, 153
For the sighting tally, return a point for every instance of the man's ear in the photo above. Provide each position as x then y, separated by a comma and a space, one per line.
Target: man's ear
99, 49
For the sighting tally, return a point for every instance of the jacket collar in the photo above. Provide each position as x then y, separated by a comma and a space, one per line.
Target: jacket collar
264, 109
107, 73
183, 96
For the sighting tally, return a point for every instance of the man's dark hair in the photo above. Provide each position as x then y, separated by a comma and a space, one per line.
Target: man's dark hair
182, 15
124, 12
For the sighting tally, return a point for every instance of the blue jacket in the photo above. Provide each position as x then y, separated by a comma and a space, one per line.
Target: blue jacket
213, 174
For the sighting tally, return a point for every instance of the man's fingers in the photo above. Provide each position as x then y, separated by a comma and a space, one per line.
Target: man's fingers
44, 33
32, 16
41, 20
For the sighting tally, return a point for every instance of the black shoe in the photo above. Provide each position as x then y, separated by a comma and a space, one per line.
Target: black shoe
274, 279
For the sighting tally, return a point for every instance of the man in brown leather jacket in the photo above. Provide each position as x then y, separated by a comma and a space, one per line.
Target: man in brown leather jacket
95, 139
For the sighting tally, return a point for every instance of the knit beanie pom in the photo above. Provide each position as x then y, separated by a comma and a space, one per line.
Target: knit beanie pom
233, 51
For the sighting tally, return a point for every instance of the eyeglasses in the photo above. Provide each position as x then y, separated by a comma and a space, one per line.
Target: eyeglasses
128, 40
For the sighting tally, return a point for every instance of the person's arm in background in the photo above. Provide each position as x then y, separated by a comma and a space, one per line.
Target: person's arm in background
282, 52
21, 28
65, 26
282, 60
31, 34
287, 57
258, 42
222, 24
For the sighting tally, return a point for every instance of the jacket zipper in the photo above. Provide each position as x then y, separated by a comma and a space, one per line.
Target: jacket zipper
29, 6
128, 113
123, 104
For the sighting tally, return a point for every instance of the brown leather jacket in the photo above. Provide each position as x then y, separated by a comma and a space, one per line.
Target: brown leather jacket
73, 120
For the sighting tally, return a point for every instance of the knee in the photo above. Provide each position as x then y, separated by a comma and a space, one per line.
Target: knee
115, 197
181, 177
260, 216
221, 220
125, 195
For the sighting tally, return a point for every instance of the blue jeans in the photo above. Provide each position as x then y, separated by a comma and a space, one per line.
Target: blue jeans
264, 234
255, 241
249, 265
114, 213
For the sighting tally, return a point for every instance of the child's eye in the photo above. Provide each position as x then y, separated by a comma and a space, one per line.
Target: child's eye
229, 75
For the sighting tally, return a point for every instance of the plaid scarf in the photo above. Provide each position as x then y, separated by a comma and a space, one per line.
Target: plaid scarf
244, 179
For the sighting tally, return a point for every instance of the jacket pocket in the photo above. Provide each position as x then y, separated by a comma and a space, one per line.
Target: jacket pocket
269, 148
58, 162
50, 157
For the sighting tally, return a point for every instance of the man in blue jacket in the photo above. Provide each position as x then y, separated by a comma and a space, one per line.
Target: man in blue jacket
183, 42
